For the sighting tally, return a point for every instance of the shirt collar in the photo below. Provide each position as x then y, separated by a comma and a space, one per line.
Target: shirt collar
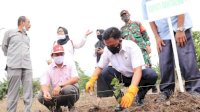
23, 32
122, 44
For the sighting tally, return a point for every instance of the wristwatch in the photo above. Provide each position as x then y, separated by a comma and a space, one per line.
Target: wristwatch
180, 29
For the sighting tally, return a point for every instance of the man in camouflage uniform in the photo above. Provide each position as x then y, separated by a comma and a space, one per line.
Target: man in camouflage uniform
134, 31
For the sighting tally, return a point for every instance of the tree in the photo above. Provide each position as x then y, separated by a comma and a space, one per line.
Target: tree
196, 39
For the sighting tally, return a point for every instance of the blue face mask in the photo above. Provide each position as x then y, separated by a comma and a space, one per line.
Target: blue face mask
58, 59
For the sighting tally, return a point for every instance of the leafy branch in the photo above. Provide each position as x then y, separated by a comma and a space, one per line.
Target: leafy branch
117, 86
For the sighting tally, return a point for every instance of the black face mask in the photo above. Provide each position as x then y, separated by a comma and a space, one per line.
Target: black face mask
125, 19
100, 37
116, 49
63, 41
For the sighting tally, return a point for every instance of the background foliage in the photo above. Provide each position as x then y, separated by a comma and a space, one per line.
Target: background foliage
196, 39
83, 78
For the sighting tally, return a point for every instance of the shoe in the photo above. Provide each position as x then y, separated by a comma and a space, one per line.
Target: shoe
72, 109
161, 98
139, 101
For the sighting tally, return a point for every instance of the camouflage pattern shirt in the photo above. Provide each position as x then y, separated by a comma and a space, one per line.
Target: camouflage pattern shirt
137, 33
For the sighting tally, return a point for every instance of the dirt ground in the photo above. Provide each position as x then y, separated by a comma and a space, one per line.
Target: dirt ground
179, 102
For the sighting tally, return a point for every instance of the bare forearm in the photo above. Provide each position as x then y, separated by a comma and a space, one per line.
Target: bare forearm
71, 81
154, 29
180, 20
137, 76
97, 72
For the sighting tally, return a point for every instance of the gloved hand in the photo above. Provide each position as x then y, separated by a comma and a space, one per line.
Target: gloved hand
127, 99
90, 84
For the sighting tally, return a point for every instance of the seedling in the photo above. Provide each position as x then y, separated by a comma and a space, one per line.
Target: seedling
118, 94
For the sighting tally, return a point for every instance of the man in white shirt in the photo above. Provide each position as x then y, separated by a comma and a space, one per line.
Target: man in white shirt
127, 62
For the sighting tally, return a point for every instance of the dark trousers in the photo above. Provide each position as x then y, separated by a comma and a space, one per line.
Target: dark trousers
105, 89
68, 97
187, 62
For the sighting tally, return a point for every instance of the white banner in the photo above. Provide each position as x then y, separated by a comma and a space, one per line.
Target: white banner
158, 9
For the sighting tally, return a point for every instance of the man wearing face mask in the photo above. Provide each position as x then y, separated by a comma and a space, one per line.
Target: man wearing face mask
133, 30
127, 61
16, 46
59, 85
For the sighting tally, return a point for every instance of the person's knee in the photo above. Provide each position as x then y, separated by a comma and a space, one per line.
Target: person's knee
152, 75
69, 89
105, 71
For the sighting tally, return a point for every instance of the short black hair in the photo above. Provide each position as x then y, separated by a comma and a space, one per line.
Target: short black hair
21, 19
112, 32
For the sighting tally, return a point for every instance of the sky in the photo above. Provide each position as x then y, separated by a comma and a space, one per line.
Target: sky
77, 16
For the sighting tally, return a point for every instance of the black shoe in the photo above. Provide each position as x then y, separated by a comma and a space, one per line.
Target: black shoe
139, 101
161, 98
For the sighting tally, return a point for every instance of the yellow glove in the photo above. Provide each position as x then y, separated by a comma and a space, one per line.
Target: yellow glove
90, 84
127, 99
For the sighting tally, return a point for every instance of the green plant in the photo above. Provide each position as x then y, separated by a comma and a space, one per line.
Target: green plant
156, 68
196, 39
3, 88
36, 86
83, 78
118, 87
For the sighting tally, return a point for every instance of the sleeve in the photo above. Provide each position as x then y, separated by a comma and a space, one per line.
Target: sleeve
144, 9
104, 60
80, 44
123, 32
144, 34
136, 56
5, 43
45, 79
